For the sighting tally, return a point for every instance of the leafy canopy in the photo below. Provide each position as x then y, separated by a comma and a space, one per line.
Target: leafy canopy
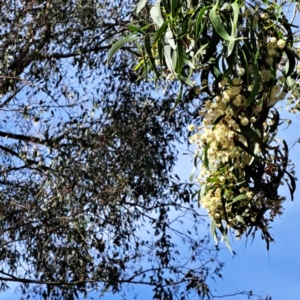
240, 58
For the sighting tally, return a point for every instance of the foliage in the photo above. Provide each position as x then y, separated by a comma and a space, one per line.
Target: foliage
89, 201
240, 57
88, 198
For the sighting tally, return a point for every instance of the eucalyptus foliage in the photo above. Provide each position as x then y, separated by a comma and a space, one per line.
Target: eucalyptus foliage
240, 57
88, 198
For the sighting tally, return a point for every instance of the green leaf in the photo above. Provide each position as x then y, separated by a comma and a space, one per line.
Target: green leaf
118, 45
168, 58
176, 103
191, 178
169, 38
218, 119
180, 56
200, 28
240, 219
213, 230
161, 31
236, 10
205, 161
186, 80
174, 4
202, 190
238, 198
217, 24
231, 44
149, 52
275, 119
160, 48
250, 133
166, 5
174, 60
156, 15
217, 73
290, 67
256, 151
245, 63
292, 186
133, 28
255, 89
141, 5
227, 241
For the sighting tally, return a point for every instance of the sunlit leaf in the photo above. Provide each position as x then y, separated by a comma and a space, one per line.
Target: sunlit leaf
118, 45
140, 5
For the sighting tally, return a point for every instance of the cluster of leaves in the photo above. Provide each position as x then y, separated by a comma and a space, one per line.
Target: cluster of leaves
75, 211
88, 201
214, 47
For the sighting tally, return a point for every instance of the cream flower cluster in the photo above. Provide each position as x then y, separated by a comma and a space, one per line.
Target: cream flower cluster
218, 135
227, 195
229, 198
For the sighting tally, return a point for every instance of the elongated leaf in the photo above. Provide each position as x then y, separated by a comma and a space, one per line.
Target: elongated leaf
149, 52
230, 48
141, 5
191, 178
292, 186
218, 119
256, 151
133, 28
240, 219
291, 61
174, 4
245, 63
169, 38
166, 5
118, 45
202, 190
205, 160
213, 231
185, 25
160, 48
199, 28
250, 133
161, 31
236, 9
276, 120
255, 89
217, 23
238, 198
224, 235
186, 80
180, 56
174, 60
156, 15
168, 58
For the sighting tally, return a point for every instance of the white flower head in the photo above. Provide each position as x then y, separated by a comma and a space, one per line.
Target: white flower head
241, 71
281, 43
236, 81
244, 121
271, 51
269, 60
226, 96
264, 16
191, 127
224, 81
237, 101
